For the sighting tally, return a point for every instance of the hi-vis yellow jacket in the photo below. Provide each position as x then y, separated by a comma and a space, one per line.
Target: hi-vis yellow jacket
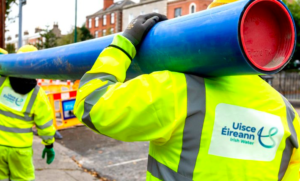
18, 114
233, 128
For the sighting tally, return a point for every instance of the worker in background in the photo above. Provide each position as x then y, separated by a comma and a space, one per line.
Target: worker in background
231, 128
3, 52
22, 105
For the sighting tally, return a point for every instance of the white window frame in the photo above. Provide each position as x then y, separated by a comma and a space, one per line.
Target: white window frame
104, 20
90, 23
96, 21
96, 34
112, 31
103, 32
180, 12
130, 18
190, 8
112, 18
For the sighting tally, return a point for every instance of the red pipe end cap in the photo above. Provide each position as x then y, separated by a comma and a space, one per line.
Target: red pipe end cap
267, 34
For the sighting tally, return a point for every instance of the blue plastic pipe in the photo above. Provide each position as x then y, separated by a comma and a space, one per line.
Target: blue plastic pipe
204, 43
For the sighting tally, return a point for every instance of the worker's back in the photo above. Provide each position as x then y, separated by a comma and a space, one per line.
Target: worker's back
224, 128
18, 114
237, 128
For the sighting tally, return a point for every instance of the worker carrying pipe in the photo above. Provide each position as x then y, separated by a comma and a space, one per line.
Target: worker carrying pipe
23, 104
242, 38
221, 128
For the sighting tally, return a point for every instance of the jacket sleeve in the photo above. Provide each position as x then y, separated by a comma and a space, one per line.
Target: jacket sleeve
142, 109
43, 118
293, 172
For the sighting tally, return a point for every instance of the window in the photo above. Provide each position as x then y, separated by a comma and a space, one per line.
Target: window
90, 23
104, 19
130, 18
96, 34
112, 18
177, 12
112, 31
103, 32
96, 21
155, 10
192, 8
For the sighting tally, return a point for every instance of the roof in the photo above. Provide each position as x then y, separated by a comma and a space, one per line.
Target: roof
116, 6
24, 38
141, 3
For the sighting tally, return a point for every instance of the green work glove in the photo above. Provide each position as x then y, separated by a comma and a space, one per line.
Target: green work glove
50, 154
140, 26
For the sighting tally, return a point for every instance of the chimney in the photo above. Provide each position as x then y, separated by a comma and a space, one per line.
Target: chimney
26, 32
55, 25
107, 3
16, 35
37, 29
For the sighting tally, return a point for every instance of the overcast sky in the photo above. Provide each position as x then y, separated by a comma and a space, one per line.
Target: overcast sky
40, 13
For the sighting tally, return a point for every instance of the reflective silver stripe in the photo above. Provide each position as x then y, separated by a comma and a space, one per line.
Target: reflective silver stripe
163, 172
196, 109
102, 76
286, 157
90, 101
7, 179
290, 143
16, 130
47, 125
31, 101
290, 116
12, 115
2, 79
193, 125
47, 137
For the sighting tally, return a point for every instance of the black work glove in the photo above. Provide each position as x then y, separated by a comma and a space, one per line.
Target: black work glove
140, 26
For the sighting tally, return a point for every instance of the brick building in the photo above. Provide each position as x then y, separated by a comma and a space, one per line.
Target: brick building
143, 7
107, 20
178, 8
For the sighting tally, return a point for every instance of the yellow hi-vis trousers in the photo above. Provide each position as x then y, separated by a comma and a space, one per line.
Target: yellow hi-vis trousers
16, 164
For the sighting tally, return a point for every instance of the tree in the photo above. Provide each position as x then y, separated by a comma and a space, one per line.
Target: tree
10, 47
8, 5
47, 40
3, 18
294, 8
83, 34
109, 31
69, 38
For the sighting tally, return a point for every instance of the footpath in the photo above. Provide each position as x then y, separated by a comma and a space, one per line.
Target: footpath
62, 169
111, 159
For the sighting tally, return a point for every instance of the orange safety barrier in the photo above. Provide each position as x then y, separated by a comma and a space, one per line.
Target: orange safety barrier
63, 105
75, 86
57, 86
